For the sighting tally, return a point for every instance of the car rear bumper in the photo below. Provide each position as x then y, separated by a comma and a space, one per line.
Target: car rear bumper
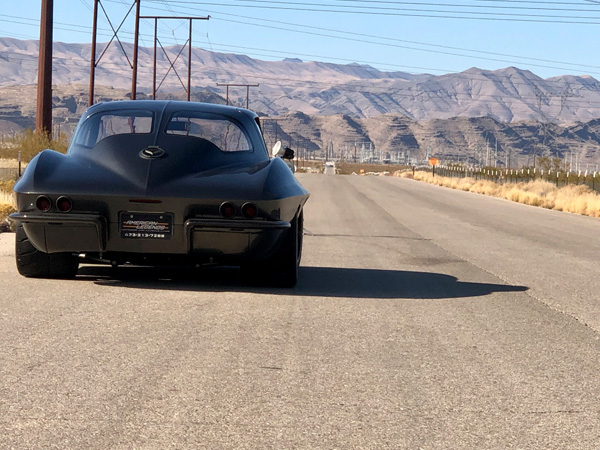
233, 239
52, 233
202, 238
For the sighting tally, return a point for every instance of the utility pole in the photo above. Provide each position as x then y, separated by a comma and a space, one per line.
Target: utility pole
136, 39
264, 121
43, 120
247, 86
92, 84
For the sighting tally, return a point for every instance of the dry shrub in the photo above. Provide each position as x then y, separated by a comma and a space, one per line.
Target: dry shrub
578, 200
7, 197
403, 174
575, 199
7, 186
7, 205
593, 205
31, 143
424, 176
513, 193
465, 184
445, 182
484, 187
9, 163
6, 209
534, 193
530, 198
8, 202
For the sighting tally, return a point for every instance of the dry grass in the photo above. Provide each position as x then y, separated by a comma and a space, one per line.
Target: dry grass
8, 203
30, 143
574, 199
7, 186
347, 168
6, 163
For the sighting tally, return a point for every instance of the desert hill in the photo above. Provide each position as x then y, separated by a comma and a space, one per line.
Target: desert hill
352, 110
507, 95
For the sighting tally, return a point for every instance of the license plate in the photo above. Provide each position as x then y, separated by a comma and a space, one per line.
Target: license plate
146, 226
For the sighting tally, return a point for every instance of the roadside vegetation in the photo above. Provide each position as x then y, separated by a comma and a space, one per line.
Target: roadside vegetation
574, 199
8, 204
29, 143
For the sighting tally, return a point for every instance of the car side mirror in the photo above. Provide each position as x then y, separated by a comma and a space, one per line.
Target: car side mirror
283, 152
277, 149
288, 153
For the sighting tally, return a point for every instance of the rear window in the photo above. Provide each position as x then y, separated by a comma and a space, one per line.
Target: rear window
227, 135
102, 125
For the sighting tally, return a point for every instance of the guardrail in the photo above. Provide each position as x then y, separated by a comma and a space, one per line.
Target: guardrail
502, 176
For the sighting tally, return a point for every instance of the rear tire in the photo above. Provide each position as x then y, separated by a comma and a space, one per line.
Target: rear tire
285, 263
281, 270
33, 263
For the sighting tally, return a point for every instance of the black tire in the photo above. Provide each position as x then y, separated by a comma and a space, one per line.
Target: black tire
281, 270
33, 263
285, 263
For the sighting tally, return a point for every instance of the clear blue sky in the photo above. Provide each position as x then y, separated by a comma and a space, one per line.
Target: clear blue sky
549, 38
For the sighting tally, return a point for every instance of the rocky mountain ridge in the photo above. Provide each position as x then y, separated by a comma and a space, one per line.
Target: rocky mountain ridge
352, 111
387, 137
360, 91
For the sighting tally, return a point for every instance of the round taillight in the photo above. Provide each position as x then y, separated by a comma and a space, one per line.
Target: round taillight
64, 204
227, 210
249, 210
43, 203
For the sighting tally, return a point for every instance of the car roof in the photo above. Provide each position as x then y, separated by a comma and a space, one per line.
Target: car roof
170, 106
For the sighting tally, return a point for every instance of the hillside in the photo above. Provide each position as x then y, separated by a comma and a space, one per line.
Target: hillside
316, 88
353, 110
388, 136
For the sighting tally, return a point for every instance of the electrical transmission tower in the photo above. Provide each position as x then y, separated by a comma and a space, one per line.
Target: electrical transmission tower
247, 86
134, 62
188, 89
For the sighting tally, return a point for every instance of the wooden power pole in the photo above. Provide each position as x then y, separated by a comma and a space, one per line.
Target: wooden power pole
43, 120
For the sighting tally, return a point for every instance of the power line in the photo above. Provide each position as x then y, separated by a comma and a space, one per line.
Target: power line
412, 12
366, 4
479, 6
564, 65
393, 45
424, 43
416, 49
304, 27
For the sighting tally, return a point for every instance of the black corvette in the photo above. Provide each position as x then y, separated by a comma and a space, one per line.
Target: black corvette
160, 183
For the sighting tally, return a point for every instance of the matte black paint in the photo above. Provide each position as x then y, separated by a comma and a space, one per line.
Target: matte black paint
181, 176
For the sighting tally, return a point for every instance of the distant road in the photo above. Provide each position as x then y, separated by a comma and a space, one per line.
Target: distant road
424, 318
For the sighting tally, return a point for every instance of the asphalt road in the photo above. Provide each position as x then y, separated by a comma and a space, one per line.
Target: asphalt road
424, 318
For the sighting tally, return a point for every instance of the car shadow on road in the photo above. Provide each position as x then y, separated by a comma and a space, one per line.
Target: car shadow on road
313, 282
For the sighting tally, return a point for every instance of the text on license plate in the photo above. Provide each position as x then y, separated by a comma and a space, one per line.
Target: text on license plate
146, 225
